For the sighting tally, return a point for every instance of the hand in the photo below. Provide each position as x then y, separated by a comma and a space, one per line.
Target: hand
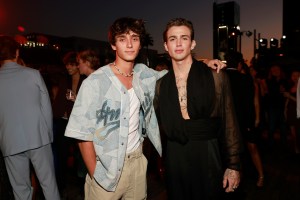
215, 64
70, 95
231, 180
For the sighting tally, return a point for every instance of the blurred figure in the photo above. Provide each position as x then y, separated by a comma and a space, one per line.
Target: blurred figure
277, 84
260, 91
63, 87
298, 99
291, 111
26, 124
245, 94
88, 62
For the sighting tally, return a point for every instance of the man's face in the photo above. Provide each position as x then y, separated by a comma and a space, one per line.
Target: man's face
127, 46
179, 43
72, 68
83, 67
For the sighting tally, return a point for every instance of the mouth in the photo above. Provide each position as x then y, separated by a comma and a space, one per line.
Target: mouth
130, 52
179, 51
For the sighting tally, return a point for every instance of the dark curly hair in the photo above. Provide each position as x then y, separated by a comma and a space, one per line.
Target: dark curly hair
179, 22
124, 25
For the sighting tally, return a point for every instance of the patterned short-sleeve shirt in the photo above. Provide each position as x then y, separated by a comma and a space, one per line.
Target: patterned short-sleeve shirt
101, 115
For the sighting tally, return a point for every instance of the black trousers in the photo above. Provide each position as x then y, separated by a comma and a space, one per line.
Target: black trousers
194, 170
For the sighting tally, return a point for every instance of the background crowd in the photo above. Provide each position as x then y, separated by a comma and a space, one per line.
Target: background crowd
265, 104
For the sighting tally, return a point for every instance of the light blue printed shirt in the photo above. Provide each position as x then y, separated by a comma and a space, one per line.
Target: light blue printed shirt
101, 115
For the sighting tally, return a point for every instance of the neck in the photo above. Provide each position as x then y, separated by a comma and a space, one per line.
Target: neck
75, 81
75, 76
182, 68
123, 68
89, 71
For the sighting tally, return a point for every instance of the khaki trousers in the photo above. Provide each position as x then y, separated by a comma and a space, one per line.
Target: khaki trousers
132, 184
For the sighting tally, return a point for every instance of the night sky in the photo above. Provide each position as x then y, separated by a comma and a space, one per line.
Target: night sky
92, 18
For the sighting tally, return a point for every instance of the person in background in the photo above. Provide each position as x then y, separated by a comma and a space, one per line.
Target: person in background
65, 86
291, 111
246, 102
26, 124
277, 85
5, 186
298, 99
88, 62
197, 114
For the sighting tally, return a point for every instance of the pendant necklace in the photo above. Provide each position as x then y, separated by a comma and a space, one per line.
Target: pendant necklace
122, 73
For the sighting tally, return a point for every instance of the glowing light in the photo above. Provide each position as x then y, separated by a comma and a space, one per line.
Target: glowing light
21, 29
221, 27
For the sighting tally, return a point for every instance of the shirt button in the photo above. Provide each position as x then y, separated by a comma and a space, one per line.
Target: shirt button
122, 143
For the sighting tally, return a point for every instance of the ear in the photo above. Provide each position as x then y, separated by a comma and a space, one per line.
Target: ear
193, 44
165, 45
113, 47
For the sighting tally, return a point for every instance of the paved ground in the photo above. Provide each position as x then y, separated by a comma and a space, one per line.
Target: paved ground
282, 179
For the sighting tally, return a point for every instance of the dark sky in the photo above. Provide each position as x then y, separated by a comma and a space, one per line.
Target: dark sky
91, 18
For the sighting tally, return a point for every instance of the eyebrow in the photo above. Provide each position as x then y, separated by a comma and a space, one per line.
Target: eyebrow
124, 35
174, 36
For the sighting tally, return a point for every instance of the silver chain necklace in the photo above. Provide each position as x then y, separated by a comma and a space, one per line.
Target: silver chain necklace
122, 73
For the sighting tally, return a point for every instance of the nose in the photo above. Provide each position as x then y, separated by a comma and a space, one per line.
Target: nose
178, 42
129, 43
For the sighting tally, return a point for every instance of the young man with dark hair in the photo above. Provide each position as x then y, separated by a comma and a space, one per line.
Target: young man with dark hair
112, 114
197, 114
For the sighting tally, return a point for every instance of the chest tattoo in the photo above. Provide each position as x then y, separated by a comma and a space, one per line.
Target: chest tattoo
182, 94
